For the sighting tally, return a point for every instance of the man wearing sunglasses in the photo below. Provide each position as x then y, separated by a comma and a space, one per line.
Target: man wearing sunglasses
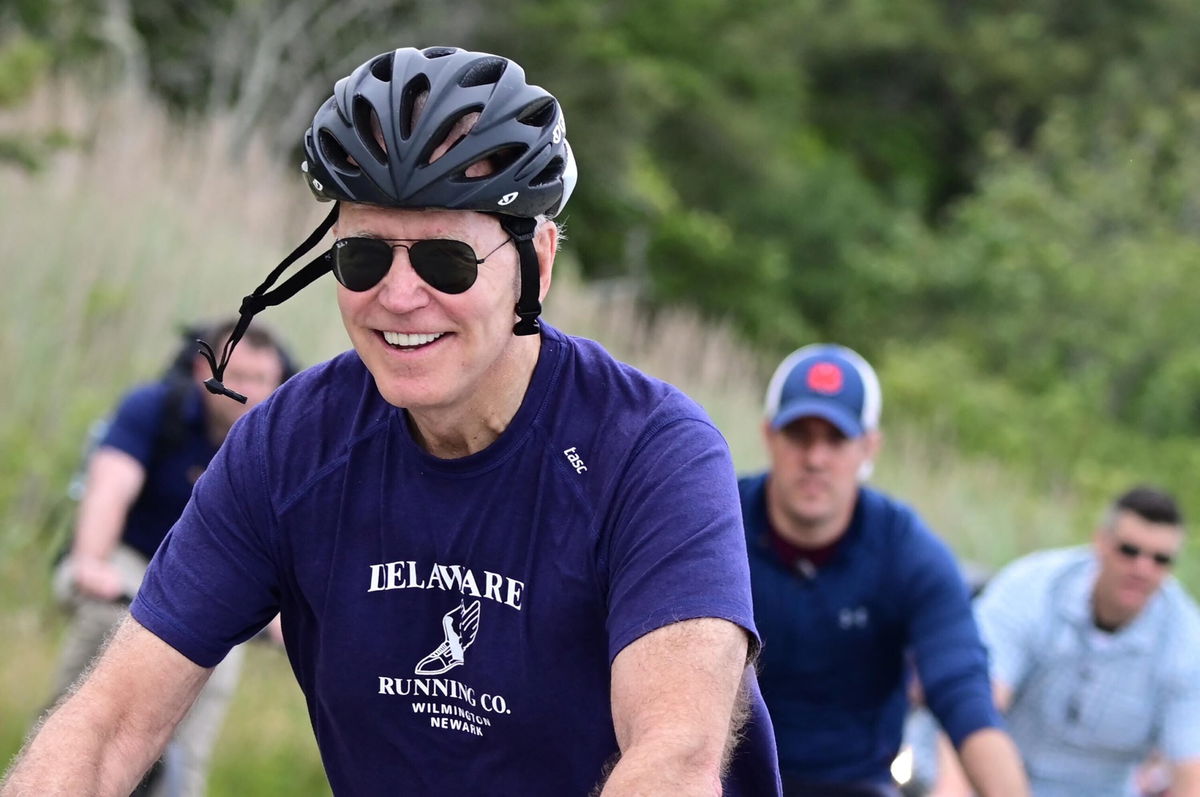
504, 562
1095, 655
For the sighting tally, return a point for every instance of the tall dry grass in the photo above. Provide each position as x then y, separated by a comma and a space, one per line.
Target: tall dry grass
148, 223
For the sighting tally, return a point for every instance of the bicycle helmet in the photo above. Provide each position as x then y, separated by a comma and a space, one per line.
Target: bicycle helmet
383, 138
519, 137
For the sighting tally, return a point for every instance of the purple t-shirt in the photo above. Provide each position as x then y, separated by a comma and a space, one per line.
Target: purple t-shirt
452, 622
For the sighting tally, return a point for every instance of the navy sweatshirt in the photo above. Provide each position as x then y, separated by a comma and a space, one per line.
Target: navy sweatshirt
839, 641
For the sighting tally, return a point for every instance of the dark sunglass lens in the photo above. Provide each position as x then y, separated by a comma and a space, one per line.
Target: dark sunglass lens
1129, 551
448, 266
360, 263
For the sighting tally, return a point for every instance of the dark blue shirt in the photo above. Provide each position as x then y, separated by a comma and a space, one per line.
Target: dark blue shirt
836, 641
172, 467
452, 623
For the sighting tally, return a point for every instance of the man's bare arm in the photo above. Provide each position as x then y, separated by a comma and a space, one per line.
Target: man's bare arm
103, 737
993, 765
953, 781
114, 480
1185, 778
1002, 695
675, 704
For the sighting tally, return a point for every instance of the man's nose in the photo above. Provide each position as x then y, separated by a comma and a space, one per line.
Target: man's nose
815, 453
401, 290
1145, 566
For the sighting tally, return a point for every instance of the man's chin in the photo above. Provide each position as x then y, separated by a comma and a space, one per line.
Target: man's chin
1134, 599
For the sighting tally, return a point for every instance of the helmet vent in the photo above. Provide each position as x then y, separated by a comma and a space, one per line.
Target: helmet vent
370, 132
335, 154
539, 113
452, 130
494, 162
381, 67
409, 104
483, 72
551, 174
438, 52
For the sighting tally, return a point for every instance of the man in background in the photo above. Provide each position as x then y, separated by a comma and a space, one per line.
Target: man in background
847, 584
1095, 655
139, 478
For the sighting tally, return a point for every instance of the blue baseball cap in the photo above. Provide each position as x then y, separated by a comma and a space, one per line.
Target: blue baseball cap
825, 381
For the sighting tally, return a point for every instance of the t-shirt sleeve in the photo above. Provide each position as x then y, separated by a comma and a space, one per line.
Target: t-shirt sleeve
1005, 612
214, 582
944, 639
135, 424
676, 550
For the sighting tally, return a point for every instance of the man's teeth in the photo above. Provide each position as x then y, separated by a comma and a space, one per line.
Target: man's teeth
404, 339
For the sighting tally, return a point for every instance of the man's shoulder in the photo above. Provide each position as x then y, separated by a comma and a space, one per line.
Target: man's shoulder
1183, 611
145, 396
138, 418
593, 386
314, 418
1037, 575
752, 482
885, 514
1049, 563
335, 382
627, 382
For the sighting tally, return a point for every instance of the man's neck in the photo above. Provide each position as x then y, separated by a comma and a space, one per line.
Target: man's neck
456, 432
1108, 619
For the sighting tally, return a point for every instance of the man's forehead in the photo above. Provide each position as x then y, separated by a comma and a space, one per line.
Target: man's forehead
1131, 523
377, 221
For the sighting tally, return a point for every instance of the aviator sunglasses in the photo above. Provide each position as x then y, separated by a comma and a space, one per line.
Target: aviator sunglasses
1131, 551
446, 265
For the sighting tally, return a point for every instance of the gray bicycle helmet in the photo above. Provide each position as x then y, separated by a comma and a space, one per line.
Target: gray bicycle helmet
374, 140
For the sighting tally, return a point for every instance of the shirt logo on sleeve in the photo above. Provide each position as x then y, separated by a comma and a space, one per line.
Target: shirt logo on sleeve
575, 460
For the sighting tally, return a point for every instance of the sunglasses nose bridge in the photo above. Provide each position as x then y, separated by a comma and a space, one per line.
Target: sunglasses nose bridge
401, 286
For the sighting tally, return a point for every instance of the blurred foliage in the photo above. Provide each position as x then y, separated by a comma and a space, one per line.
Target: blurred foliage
23, 61
1010, 187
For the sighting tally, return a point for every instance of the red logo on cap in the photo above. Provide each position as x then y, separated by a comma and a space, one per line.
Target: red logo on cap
825, 378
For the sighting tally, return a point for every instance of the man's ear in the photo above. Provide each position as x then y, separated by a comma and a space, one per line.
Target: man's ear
545, 242
873, 440
767, 431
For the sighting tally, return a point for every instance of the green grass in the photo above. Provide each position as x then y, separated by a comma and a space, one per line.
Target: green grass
147, 226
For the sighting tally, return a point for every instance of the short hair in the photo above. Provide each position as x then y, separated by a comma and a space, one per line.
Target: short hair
1149, 503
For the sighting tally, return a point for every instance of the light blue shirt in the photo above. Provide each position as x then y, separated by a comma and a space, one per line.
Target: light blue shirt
1088, 706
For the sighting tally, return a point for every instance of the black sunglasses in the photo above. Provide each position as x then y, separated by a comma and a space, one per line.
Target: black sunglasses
1131, 551
445, 264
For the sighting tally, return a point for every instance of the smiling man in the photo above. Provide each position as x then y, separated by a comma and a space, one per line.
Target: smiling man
505, 563
1096, 655
849, 584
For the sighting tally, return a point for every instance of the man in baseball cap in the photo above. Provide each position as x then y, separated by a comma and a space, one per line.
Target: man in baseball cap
848, 583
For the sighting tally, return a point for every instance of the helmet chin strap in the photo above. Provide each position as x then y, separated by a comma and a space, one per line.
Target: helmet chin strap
262, 298
529, 306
